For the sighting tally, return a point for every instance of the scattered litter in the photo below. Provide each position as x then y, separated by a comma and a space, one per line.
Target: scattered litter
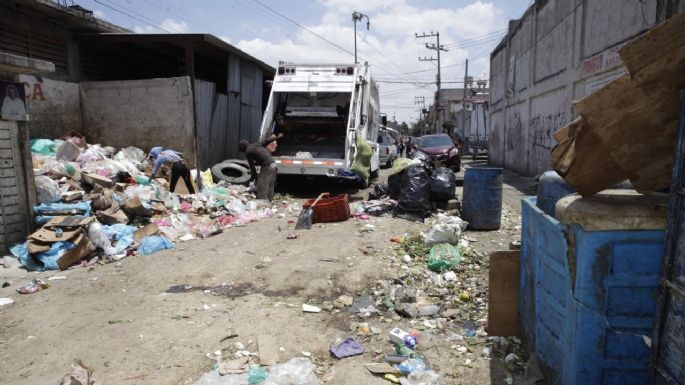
292, 236
6, 301
57, 278
35, 286
80, 375
310, 308
347, 348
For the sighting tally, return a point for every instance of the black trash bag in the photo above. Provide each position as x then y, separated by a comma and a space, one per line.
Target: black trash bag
380, 191
414, 197
395, 185
122, 176
443, 184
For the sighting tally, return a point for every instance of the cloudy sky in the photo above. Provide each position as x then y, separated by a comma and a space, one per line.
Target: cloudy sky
322, 31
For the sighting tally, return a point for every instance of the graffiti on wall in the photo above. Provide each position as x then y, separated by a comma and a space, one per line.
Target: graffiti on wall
542, 127
514, 131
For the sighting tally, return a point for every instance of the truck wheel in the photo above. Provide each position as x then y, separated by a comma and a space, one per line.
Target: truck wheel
231, 172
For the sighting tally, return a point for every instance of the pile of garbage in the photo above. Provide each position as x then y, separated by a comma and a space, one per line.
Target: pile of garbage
96, 203
415, 188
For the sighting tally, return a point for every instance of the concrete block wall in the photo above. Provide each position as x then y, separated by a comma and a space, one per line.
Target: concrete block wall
560, 51
54, 106
142, 113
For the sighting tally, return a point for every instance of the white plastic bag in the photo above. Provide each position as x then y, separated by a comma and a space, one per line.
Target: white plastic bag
47, 190
445, 229
297, 371
133, 154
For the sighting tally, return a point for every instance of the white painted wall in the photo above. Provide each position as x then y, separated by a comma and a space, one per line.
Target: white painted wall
54, 106
557, 53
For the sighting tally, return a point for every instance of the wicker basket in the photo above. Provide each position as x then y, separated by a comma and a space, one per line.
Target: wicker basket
330, 209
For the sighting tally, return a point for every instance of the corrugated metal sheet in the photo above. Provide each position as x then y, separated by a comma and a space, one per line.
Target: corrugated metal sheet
218, 133
204, 105
30, 42
233, 126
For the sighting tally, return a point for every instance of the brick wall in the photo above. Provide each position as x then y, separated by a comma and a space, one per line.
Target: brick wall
13, 195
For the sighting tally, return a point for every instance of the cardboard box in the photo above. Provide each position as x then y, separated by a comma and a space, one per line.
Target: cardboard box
112, 215
84, 247
145, 231
98, 180
134, 208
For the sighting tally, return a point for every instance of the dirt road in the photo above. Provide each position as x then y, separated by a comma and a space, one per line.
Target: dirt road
153, 320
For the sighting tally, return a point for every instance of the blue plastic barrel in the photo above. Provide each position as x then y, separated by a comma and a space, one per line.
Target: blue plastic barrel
482, 206
551, 188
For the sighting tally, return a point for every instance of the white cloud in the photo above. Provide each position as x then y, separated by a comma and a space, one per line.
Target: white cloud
390, 45
174, 26
99, 14
225, 38
168, 25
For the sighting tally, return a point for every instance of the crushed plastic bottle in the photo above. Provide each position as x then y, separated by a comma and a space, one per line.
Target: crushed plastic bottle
412, 365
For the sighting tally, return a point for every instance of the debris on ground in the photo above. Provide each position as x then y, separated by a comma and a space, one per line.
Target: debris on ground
97, 201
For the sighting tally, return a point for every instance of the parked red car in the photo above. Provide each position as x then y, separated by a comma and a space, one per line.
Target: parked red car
442, 148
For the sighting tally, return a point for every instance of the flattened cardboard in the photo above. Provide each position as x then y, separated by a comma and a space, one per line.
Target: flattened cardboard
84, 247
98, 180
145, 231
134, 208
112, 215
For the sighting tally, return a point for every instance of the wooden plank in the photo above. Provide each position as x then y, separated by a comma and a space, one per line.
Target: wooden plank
658, 42
503, 291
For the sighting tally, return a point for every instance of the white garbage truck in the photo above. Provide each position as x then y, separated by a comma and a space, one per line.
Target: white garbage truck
320, 109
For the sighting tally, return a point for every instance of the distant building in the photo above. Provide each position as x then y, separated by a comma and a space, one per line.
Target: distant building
446, 114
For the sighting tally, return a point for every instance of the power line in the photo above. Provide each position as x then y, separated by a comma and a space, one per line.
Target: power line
157, 26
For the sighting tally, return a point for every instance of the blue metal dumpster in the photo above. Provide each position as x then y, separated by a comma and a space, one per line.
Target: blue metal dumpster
593, 275
668, 343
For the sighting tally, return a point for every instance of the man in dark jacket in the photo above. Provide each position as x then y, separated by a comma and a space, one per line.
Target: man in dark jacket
258, 154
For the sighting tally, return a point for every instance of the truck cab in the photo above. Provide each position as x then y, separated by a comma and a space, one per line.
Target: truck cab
320, 109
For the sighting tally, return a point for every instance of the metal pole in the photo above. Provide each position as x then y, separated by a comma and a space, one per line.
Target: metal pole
355, 40
437, 34
463, 109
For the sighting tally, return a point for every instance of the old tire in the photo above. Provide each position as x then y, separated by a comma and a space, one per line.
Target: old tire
231, 172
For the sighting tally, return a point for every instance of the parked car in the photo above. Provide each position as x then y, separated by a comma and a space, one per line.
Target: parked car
387, 150
441, 147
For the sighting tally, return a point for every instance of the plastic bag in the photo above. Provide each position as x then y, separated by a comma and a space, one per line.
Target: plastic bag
379, 191
400, 164
445, 229
48, 259
46, 211
414, 196
362, 159
47, 190
133, 154
154, 243
297, 371
256, 375
207, 179
91, 154
442, 257
98, 237
43, 146
443, 184
122, 234
426, 377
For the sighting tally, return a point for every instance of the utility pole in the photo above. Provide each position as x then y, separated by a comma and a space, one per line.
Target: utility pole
421, 100
463, 108
436, 47
358, 16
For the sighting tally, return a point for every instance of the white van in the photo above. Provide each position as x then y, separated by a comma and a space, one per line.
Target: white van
319, 108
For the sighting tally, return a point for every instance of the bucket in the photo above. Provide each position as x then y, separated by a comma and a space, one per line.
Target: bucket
482, 206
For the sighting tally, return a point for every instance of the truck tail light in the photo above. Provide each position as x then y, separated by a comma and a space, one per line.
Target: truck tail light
344, 71
387, 151
286, 71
